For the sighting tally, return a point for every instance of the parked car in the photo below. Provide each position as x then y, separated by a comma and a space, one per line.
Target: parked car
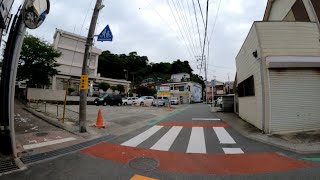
174, 100
218, 101
144, 100
129, 100
160, 101
108, 99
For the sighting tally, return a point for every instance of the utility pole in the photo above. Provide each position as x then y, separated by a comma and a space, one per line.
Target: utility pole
228, 83
85, 73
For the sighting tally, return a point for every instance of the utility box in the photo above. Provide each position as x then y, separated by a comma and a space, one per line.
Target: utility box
227, 104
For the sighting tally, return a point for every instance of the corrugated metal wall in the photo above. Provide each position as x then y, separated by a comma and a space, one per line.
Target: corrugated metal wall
294, 100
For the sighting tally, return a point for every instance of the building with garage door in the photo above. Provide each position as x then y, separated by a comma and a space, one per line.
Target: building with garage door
278, 68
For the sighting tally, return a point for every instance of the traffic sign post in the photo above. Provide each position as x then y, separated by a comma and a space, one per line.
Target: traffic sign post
105, 35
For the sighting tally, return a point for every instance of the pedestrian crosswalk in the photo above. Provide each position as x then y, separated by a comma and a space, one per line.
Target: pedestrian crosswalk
167, 140
197, 140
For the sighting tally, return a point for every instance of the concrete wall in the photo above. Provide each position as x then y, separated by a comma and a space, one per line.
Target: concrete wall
250, 108
45, 94
51, 95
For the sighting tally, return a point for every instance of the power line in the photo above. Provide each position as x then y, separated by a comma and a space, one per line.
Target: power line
205, 37
202, 13
178, 26
221, 67
184, 15
183, 25
196, 17
169, 27
215, 20
193, 27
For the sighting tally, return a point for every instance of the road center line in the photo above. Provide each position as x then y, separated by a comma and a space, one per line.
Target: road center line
223, 136
48, 143
197, 142
142, 137
167, 140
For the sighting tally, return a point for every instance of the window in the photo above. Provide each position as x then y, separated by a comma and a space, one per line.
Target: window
181, 88
246, 87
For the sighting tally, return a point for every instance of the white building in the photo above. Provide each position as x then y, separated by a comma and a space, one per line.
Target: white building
278, 77
72, 47
180, 77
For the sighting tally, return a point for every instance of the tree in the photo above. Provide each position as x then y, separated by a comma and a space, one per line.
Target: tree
144, 91
37, 62
120, 88
104, 86
113, 88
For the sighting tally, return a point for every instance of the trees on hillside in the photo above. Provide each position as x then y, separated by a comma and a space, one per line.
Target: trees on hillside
138, 67
37, 62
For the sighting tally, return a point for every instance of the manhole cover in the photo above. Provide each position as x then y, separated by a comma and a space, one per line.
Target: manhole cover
144, 164
39, 134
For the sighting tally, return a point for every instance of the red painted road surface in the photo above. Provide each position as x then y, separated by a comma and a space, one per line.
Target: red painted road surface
194, 124
200, 163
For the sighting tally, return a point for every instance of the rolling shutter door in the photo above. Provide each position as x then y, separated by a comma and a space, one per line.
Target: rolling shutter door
294, 100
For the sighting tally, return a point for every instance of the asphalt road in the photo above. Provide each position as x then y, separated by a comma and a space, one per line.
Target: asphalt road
179, 147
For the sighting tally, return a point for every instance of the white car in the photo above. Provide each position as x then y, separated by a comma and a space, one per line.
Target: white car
160, 101
144, 100
129, 100
174, 100
219, 101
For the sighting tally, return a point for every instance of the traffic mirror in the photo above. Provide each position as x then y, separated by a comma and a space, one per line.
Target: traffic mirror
35, 12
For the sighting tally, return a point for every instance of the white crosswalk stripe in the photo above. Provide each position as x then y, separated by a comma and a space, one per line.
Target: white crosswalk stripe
223, 136
167, 140
142, 137
197, 142
232, 151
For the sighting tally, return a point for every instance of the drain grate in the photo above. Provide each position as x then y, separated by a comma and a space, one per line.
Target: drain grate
8, 165
62, 151
40, 134
144, 163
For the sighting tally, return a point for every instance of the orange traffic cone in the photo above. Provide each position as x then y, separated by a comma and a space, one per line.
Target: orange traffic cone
100, 123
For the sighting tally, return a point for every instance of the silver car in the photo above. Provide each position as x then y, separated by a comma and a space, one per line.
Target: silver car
160, 101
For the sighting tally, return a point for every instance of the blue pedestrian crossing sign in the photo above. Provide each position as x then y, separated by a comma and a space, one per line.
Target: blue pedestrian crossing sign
105, 35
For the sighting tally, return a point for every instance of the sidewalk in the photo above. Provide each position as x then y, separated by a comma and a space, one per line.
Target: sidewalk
305, 146
33, 135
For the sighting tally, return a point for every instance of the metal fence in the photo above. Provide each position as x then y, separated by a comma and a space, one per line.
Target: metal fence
56, 111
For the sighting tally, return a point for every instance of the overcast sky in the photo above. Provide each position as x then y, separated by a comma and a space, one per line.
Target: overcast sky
150, 28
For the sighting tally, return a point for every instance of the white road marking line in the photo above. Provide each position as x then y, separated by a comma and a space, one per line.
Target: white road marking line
142, 137
167, 140
223, 136
232, 151
197, 142
205, 119
48, 143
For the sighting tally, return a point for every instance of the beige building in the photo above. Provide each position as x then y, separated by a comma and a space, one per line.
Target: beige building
278, 77
72, 47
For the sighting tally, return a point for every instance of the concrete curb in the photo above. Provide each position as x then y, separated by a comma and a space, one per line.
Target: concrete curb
54, 122
263, 138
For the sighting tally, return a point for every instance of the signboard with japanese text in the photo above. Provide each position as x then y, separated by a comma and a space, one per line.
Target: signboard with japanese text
84, 82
